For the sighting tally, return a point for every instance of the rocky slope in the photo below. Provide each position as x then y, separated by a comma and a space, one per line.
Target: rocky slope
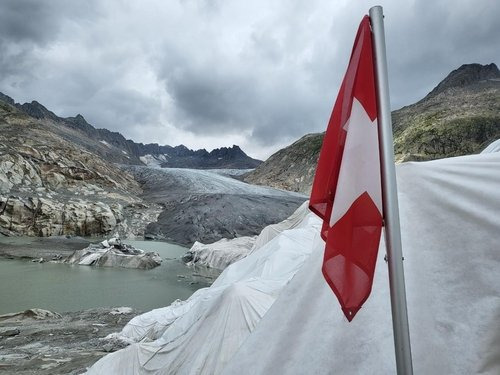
291, 168
48, 343
50, 186
460, 116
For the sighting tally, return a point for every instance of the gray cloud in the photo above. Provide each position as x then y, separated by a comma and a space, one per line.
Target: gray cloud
212, 73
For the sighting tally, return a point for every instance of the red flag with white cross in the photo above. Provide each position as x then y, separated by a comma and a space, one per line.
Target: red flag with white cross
347, 191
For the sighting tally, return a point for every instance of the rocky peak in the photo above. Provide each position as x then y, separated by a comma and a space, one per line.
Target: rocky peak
79, 122
231, 152
6, 99
36, 110
79, 119
182, 150
466, 75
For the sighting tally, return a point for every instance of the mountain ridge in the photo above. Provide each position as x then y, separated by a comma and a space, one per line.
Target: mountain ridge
127, 151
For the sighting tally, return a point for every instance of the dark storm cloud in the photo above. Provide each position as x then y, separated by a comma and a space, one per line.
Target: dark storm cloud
38, 21
213, 73
217, 100
28, 21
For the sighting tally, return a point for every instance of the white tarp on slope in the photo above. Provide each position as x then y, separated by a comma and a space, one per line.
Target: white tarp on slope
450, 216
224, 252
492, 147
200, 335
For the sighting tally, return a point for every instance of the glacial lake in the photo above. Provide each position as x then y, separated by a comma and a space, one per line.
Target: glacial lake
63, 287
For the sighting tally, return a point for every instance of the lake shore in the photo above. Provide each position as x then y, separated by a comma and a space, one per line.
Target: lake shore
40, 342
47, 248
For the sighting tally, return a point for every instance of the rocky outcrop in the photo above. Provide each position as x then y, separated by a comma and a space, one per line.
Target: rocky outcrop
45, 217
50, 186
466, 75
291, 168
49, 343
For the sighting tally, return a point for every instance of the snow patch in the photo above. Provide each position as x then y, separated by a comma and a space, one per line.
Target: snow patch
105, 143
154, 161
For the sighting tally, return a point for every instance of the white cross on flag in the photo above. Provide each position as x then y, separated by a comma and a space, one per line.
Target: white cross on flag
347, 191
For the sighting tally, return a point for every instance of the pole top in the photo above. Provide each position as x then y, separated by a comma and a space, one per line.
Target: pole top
376, 8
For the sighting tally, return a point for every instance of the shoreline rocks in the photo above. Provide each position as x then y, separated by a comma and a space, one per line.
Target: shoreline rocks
50, 343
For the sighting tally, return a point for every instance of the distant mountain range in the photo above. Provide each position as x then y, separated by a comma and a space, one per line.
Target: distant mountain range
460, 116
114, 147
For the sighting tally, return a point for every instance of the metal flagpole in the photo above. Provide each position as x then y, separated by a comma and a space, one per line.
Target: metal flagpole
390, 200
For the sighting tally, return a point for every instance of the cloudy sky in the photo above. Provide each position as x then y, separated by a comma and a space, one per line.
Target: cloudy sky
211, 73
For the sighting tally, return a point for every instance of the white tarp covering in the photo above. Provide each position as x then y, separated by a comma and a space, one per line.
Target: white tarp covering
492, 147
450, 217
222, 253
200, 335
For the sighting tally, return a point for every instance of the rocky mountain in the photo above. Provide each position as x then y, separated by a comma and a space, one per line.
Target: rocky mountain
50, 186
114, 147
460, 116
64, 177
291, 168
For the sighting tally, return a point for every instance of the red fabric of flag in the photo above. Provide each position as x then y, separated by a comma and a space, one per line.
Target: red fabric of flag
347, 191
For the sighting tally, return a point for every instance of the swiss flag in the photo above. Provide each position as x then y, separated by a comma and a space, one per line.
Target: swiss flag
347, 192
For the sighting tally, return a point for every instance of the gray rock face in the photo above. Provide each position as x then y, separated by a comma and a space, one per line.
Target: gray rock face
47, 217
460, 116
466, 75
50, 343
49, 186
6, 332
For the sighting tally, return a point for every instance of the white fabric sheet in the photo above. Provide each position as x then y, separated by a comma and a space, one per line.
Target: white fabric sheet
492, 147
450, 218
200, 335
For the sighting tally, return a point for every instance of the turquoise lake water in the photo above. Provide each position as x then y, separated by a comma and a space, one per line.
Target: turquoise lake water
62, 287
